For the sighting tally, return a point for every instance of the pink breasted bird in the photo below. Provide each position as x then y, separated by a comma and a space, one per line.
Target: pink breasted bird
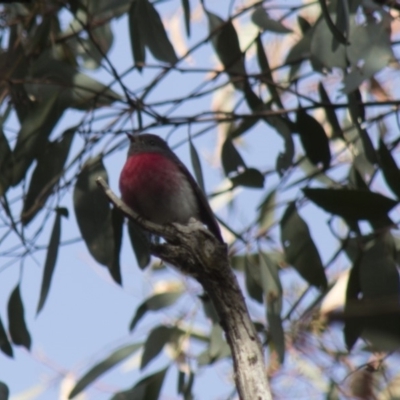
158, 186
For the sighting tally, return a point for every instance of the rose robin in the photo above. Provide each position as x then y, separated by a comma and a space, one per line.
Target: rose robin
158, 186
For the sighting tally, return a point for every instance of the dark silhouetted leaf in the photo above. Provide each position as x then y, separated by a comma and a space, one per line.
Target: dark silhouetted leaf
304, 25
262, 20
250, 177
186, 13
196, 165
226, 44
102, 367
140, 244
330, 113
284, 160
148, 388
46, 174
117, 221
353, 204
155, 303
185, 385
5, 345
389, 168
16, 322
300, 250
152, 32
93, 213
231, 159
5, 161
156, 340
313, 139
51, 259
137, 43
266, 71
4, 392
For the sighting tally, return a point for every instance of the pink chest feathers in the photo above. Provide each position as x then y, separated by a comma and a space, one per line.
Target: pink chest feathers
155, 187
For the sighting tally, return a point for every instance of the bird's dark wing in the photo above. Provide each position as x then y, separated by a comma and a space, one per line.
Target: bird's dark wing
206, 214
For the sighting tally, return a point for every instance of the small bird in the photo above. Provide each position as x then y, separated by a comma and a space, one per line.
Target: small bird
158, 186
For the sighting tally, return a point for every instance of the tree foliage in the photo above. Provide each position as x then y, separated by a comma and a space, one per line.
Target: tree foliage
318, 78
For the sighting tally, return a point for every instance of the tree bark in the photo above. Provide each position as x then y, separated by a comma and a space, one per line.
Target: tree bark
195, 251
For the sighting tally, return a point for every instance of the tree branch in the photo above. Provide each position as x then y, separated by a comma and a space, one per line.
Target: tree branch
194, 251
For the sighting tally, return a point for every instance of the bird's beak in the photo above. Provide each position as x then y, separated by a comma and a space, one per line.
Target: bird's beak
130, 137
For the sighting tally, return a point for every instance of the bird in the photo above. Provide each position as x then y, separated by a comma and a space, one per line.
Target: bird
157, 185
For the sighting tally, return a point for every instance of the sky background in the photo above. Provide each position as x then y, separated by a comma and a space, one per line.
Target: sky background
87, 315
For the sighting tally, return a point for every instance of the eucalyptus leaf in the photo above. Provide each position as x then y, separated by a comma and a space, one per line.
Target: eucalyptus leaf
155, 303
51, 259
152, 32
148, 388
16, 320
226, 44
300, 250
116, 357
5, 345
262, 20
352, 204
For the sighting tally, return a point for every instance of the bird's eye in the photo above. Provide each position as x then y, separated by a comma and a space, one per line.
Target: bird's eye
152, 142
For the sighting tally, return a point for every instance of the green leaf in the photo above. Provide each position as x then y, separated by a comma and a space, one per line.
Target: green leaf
272, 288
208, 307
16, 322
73, 88
140, 244
137, 43
299, 53
300, 250
152, 32
156, 340
46, 174
218, 347
253, 279
148, 388
196, 165
93, 213
117, 222
284, 160
226, 44
155, 303
337, 34
4, 392
186, 13
351, 204
266, 71
5, 345
32, 137
262, 20
51, 259
313, 139
102, 367
266, 211
330, 113
389, 168
230, 158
